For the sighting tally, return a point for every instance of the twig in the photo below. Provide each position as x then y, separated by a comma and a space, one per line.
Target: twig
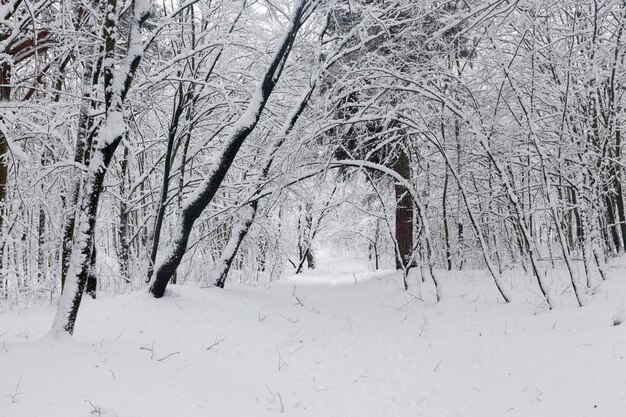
151, 349
412, 300
167, 356
288, 319
299, 302
96, 410
280, 363
17, 391
280, 398
217, 342
291, 353
423, 326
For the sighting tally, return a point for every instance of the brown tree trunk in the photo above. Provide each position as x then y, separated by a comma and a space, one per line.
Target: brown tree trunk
404, 212
5, 95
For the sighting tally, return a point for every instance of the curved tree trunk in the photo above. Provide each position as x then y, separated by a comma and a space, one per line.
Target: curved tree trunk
196, 204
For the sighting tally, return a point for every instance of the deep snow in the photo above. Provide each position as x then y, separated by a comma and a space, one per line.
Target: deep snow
347, 342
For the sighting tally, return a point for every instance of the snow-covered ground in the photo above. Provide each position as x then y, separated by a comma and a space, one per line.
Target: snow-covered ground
341, 341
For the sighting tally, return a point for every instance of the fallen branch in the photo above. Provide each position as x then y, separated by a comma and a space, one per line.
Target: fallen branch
217, 342
167, 356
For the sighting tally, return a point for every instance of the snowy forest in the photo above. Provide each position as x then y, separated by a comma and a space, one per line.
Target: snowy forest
312, 207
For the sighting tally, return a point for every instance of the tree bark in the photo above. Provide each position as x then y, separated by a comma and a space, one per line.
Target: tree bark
124, 251
446, 228
404, 212
5, 95
92, 275
619, 192
85, 123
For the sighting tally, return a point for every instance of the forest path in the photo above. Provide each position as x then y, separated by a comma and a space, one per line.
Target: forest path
310, 346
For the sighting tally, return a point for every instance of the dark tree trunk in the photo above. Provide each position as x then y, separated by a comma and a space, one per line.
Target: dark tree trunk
310, 259
41, 241
85, 123
229, 253
84, 243
124, 247
617, 183
92, 276
580, 234
404, 212
167, 168
376, 237
611, 222
5, 95
459, 170
446, 229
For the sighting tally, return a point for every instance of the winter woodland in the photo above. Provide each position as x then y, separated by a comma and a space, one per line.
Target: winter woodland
155, 151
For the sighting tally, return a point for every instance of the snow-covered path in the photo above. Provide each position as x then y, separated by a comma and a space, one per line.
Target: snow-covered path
361, 348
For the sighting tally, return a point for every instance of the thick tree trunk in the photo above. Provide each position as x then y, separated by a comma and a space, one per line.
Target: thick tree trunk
92, 275
196, 204
85, 122
404, 213
611, 222
5, 95
109, 137
310, 259
82, 249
